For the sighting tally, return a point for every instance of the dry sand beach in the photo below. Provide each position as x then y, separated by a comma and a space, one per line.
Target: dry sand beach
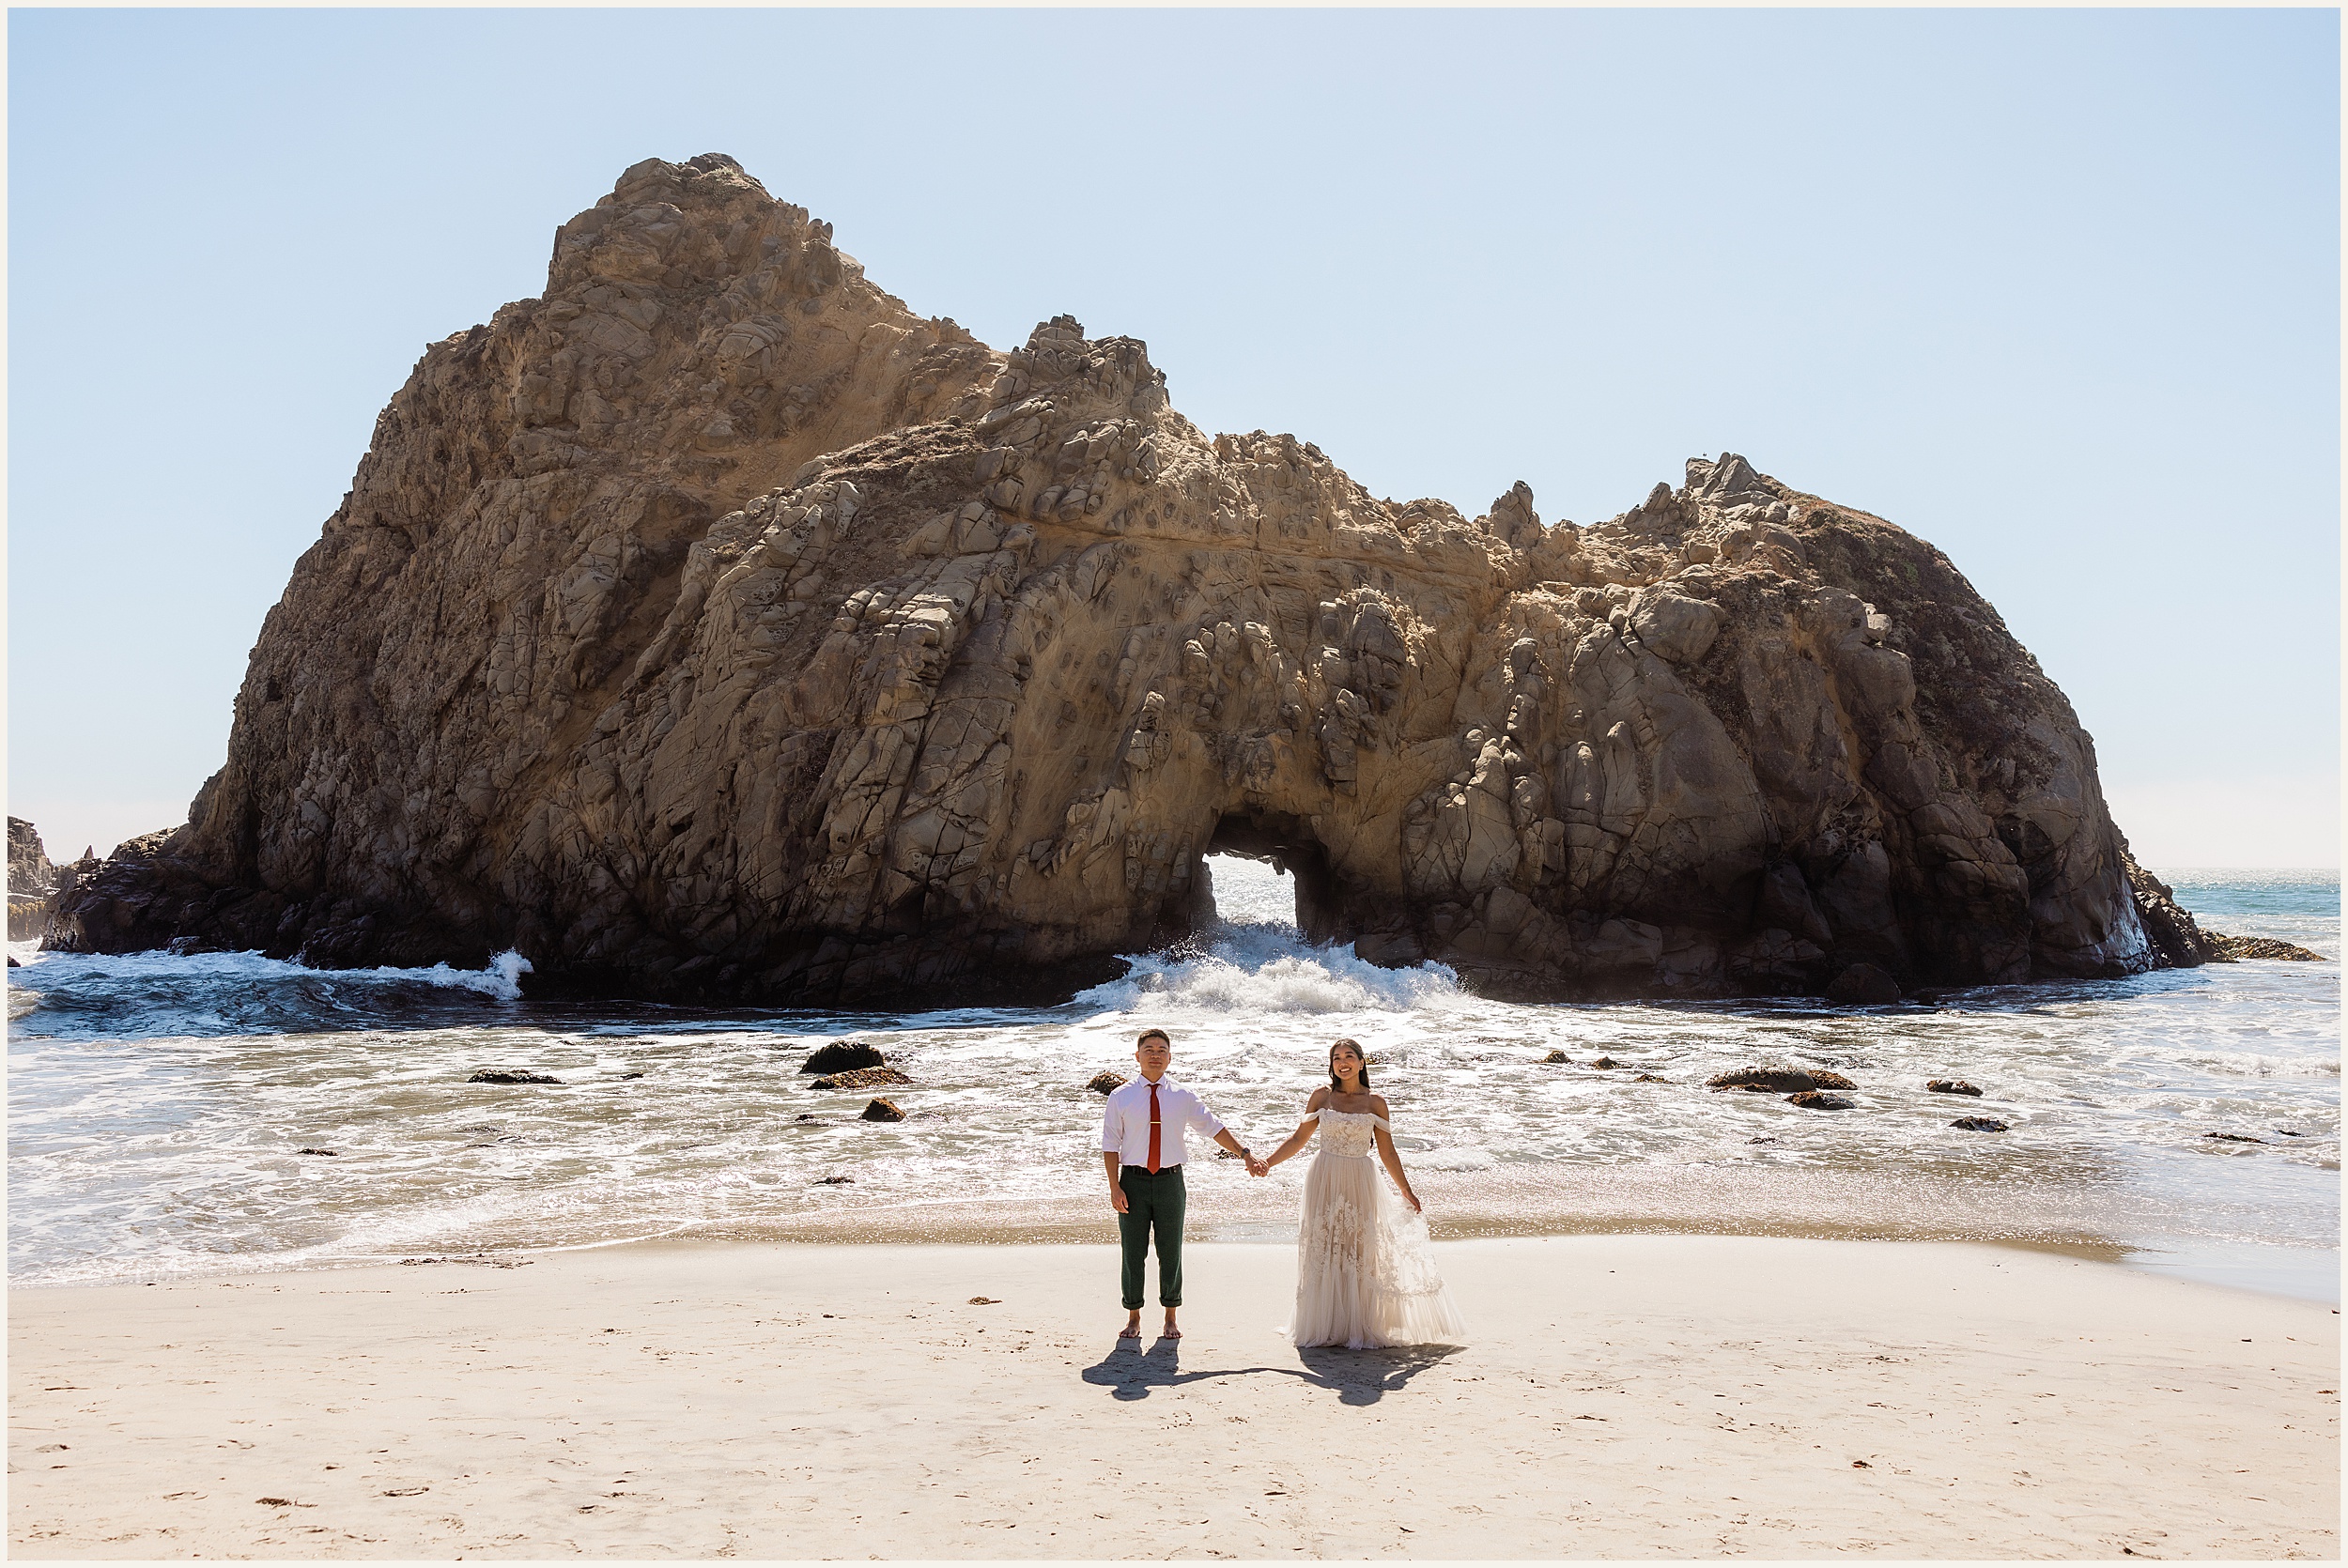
1623, 1396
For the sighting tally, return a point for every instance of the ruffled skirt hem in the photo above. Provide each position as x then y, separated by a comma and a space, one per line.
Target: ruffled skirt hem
1366, 1277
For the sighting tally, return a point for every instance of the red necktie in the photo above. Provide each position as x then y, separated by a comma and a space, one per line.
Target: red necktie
1153, 1130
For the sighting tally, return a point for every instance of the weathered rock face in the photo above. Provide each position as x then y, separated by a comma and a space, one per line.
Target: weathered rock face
32, 881
714, 625
29, 871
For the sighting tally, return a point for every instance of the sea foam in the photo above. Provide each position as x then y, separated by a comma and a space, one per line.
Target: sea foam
1263, 969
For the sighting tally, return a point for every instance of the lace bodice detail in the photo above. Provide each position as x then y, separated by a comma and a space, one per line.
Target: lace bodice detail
1349, 1132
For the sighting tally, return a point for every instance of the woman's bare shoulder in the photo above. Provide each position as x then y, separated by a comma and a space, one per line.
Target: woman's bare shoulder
1319, 1098
1378, 1106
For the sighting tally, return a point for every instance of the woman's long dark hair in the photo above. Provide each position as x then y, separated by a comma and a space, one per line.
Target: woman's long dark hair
1335, 1083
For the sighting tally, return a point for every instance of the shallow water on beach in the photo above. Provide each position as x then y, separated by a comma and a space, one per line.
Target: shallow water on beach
159, 1107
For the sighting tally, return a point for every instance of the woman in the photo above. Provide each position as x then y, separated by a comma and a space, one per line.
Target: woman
1364, 1274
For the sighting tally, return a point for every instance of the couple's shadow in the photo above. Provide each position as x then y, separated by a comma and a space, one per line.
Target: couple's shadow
1356, 1376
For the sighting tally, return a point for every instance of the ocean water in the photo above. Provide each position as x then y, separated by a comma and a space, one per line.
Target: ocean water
159, 1108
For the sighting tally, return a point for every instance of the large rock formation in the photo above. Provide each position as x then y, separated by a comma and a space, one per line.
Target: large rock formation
714, 625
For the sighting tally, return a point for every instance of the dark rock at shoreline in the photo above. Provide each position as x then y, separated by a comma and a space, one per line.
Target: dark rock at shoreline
317, 1151
1554, 1058
1605, 1062
860, 1078
835, 1181
2183, 943
1649, 1078
2236, 948
1863, 984
2234, 1137
510, 1075
842, 1056
13, 964
1952, 1086
1979, 1124
1106, 1082
1818, 1099
882, 1111
1778, 1079
2172, 931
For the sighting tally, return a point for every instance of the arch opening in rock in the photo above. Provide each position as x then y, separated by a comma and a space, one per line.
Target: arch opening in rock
1288, 845
1243, 890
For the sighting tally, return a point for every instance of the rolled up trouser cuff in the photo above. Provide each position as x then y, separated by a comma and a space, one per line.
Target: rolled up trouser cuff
1154, 1210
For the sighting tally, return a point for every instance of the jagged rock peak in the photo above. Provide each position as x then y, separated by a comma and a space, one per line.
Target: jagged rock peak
714, 625
29, 871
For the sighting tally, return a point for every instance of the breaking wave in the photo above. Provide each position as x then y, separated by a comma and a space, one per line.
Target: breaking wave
164, 995
1267, 969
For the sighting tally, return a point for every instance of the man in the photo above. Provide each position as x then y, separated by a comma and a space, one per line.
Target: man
1141, 1149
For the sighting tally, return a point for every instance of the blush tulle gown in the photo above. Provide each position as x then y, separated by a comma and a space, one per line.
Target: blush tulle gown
1365, 1274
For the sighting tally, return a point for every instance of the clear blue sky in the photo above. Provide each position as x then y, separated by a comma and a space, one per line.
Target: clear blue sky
2057, 290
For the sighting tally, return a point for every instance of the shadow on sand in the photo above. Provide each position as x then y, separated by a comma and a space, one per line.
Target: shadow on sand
1356, 1376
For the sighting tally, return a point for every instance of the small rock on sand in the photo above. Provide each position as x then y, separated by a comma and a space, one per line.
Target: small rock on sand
1978, 1124
1106, 1082
860, 1078
883, 1110
1604, 1062
1778, 1081
1817, 1100
510, 1075
1555, 1057
1950, 1087
842, 1056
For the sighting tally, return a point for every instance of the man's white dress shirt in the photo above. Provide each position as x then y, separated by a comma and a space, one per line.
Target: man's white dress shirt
1125, 1122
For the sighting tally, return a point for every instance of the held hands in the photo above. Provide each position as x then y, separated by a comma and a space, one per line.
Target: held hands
1256, 1167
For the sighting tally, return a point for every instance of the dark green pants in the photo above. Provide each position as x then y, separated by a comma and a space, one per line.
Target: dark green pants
1153, 1206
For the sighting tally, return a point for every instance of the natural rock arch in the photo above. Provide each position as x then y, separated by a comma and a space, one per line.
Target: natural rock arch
715, 626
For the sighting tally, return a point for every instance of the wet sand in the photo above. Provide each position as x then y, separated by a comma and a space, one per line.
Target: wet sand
1623, 1395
